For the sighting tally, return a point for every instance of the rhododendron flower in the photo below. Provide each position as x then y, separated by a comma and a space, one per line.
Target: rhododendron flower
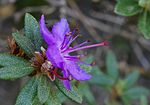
58, 51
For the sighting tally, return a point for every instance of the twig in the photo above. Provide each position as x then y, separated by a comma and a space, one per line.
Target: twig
139, 54
107, 17
43, 9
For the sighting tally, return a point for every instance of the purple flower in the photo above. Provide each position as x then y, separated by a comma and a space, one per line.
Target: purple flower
58, 41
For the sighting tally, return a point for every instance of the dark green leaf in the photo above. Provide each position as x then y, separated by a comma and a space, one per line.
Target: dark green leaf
86, 92
15, 71
144, 24
61, 96
127, 7
112, 66
9, 60
28, 93
136, 92
36, 101
131, 79
43, 89
53, 99
14, 67
24, 43
32, 31
73, 94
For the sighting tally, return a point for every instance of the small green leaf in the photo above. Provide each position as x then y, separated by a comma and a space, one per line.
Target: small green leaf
136, 92
100, 78
28, 93
43, 89
14, 67
24, 43
144, 24
127, 7
53, 99
15, 71
9, 60
32, 31
73, 94
61, 96
86, 92
36, 101
112, 66
131, 79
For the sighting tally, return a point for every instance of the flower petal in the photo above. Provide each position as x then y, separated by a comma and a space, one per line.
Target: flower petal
60, 29
54, 56
66, 82
47, 35
77, 72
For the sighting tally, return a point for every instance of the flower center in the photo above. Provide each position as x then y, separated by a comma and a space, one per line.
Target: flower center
68, 39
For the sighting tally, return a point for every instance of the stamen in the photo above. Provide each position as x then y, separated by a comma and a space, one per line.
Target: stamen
74, 31
105, 43
69, 42
63, 43
74, 38
81, 44
66, 40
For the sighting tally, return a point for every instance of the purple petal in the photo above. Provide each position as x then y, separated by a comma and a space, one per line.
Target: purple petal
66, 82
54, 56
77, 72
47, 35
60, 29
